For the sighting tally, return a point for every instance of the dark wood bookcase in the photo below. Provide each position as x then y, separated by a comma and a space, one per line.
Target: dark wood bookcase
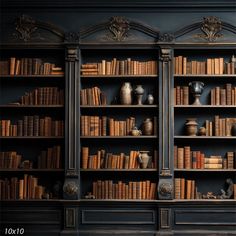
75, 212
13, 87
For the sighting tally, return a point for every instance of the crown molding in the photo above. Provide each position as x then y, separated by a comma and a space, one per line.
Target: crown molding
98, 4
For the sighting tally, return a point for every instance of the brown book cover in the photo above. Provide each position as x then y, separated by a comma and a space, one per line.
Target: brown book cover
189, 189
180, 152
182, 188
177, 188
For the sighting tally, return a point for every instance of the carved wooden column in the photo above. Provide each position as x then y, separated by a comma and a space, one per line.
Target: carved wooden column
165, 186
71, 184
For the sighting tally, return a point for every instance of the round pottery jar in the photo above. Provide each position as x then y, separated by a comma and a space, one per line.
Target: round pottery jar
202, 131
144, 159
150, 99
147, 127
136, 132
191, 126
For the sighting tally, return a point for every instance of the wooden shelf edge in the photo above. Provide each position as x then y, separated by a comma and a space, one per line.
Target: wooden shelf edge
119, 106
204, 76
118, 137
118, 170
204, 106
205, 170
31, 106
204, 137
118, 76
31, 137
32, 76
31, 170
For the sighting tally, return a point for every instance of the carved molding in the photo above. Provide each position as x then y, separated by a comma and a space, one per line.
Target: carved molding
165, 173
72, 54
72, 37
165, 54
165, 222
211, 27
118, 27
166, 37
27, 29
70, 219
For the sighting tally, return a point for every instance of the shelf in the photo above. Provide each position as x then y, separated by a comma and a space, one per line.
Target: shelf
205, 106
31, 170
32, 76
31, 137
119, 76
205, 76
119, 137
31, 106
205, 137
118, 170
119, 106
205, 170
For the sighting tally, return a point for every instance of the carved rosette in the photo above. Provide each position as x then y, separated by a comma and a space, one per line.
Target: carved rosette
211, 27
165, 189
119, 27
72, 37
165, 37
25, 27
70, 190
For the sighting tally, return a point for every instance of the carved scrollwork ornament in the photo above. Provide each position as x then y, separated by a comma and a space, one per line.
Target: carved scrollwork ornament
165, 37
70, 188
72, 37
166, 189
211, 27
25, 27
119, 27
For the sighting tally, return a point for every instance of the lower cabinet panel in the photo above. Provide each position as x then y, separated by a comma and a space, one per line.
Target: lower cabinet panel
205, 218
35, 221
143, 221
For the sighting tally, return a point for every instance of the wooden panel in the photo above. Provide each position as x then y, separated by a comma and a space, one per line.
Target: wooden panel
31, 216
205, 217
124, 217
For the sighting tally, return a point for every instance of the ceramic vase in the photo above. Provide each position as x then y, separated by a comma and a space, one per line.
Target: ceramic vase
126, 94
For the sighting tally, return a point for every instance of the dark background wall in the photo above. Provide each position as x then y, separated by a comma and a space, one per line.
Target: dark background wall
167, 16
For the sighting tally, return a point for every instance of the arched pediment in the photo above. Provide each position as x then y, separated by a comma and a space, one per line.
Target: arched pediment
119, 30
29, 30
210, 30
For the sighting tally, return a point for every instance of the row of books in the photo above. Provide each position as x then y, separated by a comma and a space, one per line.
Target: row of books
32, 126
181, 95
96, 126
185, 158
43, 96
92, 96
26, 188
120, 67
185, 189
107, 189
223, 96
212, 66
220, 126
28, 66
48, 159
107, 160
